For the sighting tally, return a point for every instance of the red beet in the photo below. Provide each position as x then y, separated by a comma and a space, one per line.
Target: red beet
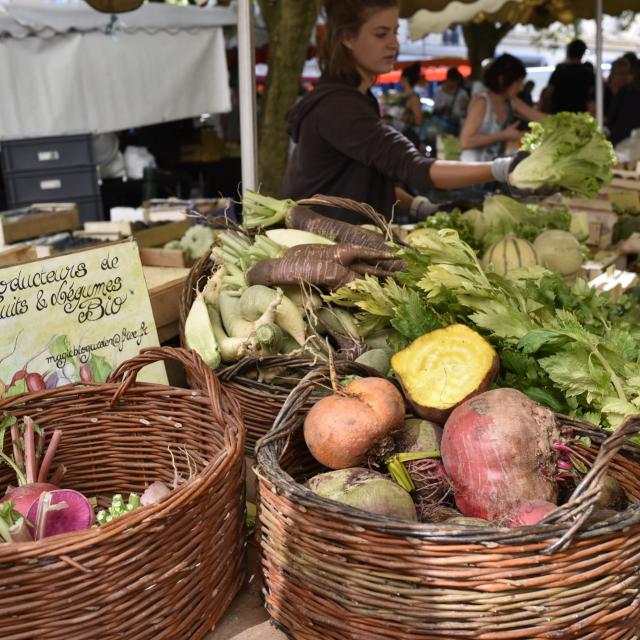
498, 452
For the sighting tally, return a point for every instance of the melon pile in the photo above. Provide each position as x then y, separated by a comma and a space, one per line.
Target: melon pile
554, 249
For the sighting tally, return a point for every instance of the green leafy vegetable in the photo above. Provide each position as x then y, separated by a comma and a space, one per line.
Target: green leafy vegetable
570, 347
567, 151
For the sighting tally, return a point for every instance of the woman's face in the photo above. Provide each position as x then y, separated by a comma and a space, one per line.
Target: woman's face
375, 47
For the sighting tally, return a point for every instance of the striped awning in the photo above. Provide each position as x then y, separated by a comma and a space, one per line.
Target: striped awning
428, 16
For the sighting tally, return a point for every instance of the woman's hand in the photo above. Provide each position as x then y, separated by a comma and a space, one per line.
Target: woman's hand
511, 133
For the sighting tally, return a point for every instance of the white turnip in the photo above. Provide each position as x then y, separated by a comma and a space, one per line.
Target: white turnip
367, 490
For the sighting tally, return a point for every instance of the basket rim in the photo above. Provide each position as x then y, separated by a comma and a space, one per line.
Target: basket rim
287, 485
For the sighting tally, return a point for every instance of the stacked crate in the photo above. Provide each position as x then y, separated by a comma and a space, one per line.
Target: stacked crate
57, 169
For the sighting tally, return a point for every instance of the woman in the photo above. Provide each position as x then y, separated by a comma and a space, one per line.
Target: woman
410, 100
450, 102
343, 146
492, 121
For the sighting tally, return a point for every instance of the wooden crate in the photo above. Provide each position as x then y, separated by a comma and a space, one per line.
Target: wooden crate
600, 215
165, 286
38, 220
154, 236
157, 257
601, 262
17, 254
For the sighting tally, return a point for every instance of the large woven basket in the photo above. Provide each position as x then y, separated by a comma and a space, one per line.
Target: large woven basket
163, 572
261, 401
334, 572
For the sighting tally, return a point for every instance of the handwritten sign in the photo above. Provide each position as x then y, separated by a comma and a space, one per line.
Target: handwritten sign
74, 318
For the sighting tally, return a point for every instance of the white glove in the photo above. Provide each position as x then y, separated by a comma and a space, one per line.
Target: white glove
422, 207
500, 169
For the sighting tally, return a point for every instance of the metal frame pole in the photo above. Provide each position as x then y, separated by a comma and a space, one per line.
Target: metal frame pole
247, 95
599, 79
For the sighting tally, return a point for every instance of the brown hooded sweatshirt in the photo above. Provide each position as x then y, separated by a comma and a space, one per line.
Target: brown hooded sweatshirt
344, 148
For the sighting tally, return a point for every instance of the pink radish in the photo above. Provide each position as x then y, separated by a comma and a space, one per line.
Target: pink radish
85, 373
59, 511
25, 463
24, 496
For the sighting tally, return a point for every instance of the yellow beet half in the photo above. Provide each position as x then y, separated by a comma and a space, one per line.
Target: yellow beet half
441, 369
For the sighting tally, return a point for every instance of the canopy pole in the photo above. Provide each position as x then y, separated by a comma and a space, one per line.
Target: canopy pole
247, 95
599, 78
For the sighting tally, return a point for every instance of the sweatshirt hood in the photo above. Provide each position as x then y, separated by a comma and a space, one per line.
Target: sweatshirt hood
324, 89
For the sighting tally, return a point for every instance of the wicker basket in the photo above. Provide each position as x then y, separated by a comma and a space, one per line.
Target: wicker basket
167, 571
261, 402
334, 572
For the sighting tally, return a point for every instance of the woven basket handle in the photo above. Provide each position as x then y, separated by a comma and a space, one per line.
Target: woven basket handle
581, 504
362, 208
199, 374
287, 419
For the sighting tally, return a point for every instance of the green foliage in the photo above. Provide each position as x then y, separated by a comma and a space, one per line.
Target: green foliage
569, 347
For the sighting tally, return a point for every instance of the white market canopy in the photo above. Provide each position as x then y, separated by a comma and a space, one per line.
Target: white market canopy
66, 68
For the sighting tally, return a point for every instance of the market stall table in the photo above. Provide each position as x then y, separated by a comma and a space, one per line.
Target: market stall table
165, 285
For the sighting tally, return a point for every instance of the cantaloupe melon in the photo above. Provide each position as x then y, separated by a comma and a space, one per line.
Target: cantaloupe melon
559, 251
510, 253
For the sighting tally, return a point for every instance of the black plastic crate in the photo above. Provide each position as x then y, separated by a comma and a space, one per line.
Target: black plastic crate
44, 154
60, 185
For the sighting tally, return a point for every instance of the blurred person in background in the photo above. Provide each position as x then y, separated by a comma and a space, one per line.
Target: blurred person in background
572, 82
633, 60
410, 102
492, 122
526, 94
623, 110
620, 75
450, 102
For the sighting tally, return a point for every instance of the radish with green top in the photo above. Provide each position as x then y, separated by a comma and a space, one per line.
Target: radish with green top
31, 477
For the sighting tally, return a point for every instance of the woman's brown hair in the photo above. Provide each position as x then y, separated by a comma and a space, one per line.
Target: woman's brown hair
345, 17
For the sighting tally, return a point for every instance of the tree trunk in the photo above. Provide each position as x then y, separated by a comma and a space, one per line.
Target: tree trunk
289, 23
482, 38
